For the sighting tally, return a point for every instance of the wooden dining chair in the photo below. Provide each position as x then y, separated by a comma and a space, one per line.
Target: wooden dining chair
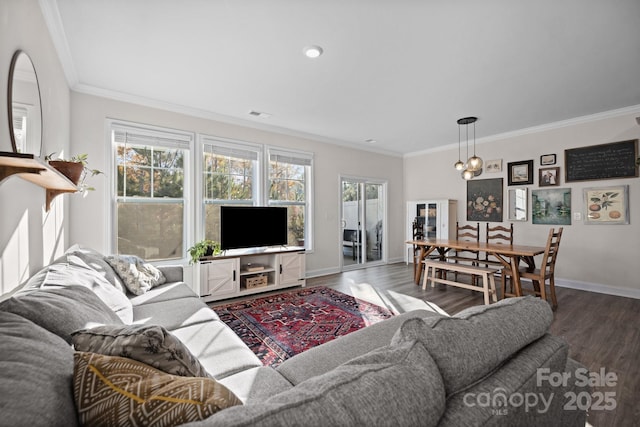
545, 273
498, 234
470, 233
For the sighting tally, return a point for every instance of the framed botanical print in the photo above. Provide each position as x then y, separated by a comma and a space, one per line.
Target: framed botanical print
607, 205
548, 177
520, 173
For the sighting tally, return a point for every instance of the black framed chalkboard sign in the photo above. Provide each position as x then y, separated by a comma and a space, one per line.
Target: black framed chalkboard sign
603, 161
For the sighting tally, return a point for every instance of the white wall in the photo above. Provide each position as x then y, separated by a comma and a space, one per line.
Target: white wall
88, 116
29, 236
602, 258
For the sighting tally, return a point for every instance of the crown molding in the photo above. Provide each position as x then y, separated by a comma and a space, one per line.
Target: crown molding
634, 109
204, 114
53, 20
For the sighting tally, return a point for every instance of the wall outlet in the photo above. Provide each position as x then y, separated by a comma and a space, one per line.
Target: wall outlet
577, 216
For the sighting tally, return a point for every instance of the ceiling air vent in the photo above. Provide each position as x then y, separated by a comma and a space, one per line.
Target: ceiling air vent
259, 114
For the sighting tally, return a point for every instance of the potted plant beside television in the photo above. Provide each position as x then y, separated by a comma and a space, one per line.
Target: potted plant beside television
204, 248
76, 169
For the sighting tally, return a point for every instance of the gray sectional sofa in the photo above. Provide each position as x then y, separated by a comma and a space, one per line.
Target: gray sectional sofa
479, 367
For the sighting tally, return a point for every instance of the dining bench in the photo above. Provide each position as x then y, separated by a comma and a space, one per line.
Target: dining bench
485, 273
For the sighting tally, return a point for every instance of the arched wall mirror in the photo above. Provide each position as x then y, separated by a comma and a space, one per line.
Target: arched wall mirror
25, 108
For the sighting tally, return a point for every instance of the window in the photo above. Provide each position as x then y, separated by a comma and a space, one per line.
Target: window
289, 186
230, 176
151, 174
20, 120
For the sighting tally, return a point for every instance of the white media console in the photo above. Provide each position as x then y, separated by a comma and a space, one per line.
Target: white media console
244, 272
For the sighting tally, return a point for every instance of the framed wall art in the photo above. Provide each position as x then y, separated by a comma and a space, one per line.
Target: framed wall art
607, 205
551, 206
603, 161
548, 177
518, 204
484, 200
491, 166
520, 173
547, 159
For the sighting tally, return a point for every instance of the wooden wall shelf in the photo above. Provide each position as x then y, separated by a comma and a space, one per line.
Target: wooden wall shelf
35, 170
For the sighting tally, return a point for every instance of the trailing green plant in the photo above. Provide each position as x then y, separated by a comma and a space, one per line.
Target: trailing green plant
87, 172
204, 248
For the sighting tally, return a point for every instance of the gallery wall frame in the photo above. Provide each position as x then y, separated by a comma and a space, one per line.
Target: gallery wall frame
551, 206
518, 198
492, 166
484, 200
547, 159
602, 161
549, 177
520, 173
606, 205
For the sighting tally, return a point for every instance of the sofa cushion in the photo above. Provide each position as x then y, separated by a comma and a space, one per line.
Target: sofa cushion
164, 292
323, 358
394, 385
75, 272
474, 342
218, 348
149, 344
95, 260
489, 401
62, 310
36, 373
112, 390
174, 314
138, 275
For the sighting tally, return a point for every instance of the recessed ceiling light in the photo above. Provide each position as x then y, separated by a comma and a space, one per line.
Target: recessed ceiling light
312, 51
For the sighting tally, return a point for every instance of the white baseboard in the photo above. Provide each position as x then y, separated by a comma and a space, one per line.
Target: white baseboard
599, 288
323, 272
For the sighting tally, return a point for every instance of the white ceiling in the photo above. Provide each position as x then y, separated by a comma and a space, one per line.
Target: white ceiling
397, 71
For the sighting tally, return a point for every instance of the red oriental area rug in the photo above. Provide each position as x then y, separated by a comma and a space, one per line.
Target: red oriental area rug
277, 327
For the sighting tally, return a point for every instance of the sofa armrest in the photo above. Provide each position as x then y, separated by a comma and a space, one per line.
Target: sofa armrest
324, 358
173, 273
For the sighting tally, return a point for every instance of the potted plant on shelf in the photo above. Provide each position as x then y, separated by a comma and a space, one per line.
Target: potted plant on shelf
203, 249
76, 169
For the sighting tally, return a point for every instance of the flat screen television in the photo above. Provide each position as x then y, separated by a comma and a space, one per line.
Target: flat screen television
252, 226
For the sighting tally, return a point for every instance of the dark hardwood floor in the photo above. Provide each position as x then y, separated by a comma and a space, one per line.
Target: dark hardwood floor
603, 331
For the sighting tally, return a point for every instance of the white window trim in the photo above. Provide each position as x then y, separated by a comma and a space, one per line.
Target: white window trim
231, 144
188, 140
309, 210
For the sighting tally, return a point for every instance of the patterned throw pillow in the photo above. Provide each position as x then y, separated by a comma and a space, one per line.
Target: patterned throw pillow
138, 275
111, 390
149, 344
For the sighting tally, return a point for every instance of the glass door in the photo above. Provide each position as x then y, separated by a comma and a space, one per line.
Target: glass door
362, 226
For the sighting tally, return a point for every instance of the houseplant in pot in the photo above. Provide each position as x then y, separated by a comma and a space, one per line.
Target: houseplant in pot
202, 249
76, 169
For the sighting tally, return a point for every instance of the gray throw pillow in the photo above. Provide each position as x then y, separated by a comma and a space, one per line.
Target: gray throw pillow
138, 275
149, 344
393, 386
476, 341
36, 375
63, 310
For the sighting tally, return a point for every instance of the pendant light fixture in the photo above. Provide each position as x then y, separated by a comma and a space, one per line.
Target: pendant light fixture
459, 165
474, 163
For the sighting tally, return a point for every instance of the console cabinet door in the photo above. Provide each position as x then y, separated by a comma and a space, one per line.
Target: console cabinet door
292, 269
219, 277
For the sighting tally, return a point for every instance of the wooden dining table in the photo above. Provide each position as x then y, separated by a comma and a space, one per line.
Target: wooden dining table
509, 255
